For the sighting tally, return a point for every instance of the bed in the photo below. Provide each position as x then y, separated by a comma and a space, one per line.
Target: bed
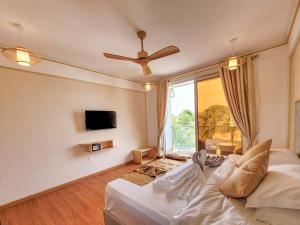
129, 204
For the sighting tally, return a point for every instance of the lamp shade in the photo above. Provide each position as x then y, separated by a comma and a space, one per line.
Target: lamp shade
233, 63
22, 56
148, 86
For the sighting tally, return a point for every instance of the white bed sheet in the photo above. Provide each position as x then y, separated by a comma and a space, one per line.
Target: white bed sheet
211, 207
142, 205
134, 205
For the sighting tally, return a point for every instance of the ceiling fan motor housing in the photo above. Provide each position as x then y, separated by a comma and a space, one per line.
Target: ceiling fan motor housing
142, 54
141, 34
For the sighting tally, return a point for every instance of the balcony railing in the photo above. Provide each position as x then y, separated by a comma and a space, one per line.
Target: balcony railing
184, 136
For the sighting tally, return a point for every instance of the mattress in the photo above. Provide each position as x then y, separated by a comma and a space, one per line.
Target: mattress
142, 205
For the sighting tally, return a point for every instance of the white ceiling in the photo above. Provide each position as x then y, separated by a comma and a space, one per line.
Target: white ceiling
79, 31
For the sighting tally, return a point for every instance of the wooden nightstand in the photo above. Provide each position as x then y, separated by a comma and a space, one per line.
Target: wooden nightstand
144, 155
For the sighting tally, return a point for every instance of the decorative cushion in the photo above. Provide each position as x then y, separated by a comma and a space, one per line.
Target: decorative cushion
244, 179
261, 147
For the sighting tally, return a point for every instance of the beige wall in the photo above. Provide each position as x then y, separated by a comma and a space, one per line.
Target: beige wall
42, 123
272, 74
152, 123
294, 89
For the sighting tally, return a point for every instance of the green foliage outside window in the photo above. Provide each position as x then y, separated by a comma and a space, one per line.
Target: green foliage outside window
213, 120
183, 130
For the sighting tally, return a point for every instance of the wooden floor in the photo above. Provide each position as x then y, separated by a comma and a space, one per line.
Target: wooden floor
78, 204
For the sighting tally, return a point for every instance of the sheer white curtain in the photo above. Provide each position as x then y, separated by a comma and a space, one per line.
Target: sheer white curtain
162, 100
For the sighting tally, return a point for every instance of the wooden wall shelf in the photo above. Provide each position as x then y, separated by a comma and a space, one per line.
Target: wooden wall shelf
98, 146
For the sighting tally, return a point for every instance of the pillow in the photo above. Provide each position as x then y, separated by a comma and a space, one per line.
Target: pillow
261, 147
244, 179
277, 216
283, 156
222, 172
279, 189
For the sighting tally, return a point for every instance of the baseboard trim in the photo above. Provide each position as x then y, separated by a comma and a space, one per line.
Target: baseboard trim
30, 197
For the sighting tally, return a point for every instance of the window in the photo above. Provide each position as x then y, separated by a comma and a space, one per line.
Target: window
180, 134
198, 118
217, 131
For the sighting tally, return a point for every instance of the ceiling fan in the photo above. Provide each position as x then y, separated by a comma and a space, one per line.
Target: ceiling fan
142, 57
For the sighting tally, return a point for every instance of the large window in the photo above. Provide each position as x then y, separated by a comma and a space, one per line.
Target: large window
198, 117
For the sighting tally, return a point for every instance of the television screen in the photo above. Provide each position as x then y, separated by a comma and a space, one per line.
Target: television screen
97, 120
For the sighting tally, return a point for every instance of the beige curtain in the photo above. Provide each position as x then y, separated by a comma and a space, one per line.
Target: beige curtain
239, 88
162, 98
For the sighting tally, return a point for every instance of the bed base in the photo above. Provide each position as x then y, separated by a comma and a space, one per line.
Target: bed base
110, 219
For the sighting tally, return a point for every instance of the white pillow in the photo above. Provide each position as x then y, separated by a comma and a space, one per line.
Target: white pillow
283, 156
280, 188
277, 216
219, 176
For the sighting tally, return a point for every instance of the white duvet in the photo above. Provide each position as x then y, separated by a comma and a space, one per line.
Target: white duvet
182, 184
206, 204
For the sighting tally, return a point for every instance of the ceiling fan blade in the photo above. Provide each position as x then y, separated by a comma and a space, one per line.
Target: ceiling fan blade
118, 57
170, 50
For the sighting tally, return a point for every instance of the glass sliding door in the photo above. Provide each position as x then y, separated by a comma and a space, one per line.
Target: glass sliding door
181, 133
217, 131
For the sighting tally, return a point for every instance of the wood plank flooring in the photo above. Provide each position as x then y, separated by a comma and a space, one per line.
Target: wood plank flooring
78, 204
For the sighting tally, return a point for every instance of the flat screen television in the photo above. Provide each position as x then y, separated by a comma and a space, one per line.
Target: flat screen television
97, 120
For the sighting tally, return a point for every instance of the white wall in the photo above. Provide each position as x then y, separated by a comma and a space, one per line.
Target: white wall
295, 33
42, 123
152, 126
272, 72
294, 91
294, 51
